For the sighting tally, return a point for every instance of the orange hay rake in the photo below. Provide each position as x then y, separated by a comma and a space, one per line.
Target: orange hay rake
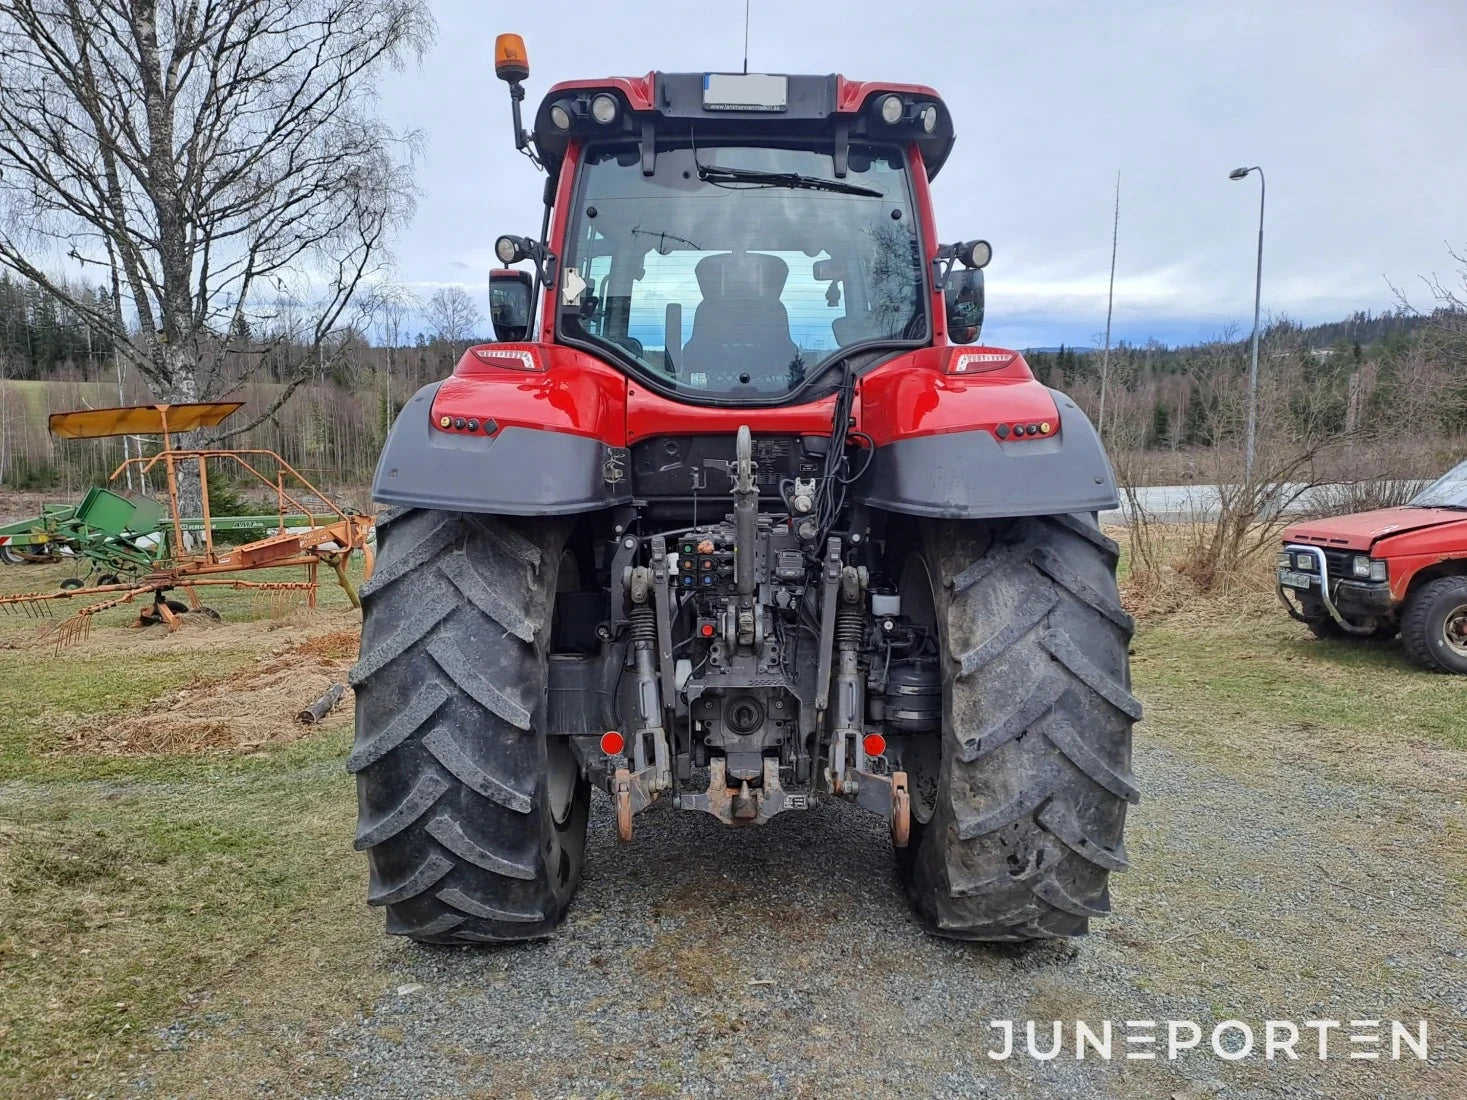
329, 538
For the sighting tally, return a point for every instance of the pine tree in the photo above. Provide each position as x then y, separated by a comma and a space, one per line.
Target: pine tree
1161, 425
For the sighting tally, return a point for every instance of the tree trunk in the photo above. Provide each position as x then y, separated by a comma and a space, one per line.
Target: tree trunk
181, 366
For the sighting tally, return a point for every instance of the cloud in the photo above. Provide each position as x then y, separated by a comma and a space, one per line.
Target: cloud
1352, 108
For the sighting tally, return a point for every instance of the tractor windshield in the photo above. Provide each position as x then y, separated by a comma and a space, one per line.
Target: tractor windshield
737, 273
1447, 491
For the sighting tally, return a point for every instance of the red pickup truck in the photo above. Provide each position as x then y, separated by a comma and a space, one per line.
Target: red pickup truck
1371, 574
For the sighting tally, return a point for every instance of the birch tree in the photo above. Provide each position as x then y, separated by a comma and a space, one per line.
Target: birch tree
214, 157
453, 317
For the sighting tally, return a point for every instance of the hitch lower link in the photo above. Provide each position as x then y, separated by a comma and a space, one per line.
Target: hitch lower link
651, 630
850, 774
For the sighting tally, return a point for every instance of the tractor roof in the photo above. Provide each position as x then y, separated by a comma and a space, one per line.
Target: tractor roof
788, 107
139, 419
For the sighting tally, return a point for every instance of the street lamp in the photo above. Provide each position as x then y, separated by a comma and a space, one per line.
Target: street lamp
1237, 174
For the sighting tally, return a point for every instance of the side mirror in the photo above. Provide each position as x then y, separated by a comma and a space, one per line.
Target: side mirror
509, 304
963, 294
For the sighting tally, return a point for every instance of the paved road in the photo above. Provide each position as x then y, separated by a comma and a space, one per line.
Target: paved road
1184, 503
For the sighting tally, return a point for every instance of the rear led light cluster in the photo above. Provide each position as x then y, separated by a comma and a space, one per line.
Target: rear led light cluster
979, 362
1019, 431
466, 424
507, 358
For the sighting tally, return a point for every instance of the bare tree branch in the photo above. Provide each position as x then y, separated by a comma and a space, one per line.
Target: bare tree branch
210, 153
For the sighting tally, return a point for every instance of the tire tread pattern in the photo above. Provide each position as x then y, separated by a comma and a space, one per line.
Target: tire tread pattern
453, 807
1038, 711
1420, 631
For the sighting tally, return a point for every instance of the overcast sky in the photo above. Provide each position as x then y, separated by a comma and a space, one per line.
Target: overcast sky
1356, 111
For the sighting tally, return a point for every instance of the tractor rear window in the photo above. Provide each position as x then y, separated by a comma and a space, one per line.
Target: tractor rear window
740, 285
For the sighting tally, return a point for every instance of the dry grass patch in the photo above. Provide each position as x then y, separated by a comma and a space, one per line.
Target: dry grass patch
237, 713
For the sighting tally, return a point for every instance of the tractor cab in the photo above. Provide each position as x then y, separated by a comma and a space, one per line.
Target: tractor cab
728, 238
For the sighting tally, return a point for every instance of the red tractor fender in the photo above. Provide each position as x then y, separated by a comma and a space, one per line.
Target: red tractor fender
533, 428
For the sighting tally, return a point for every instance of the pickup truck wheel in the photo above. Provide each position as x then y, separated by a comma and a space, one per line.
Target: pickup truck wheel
1015, 831
1434, 626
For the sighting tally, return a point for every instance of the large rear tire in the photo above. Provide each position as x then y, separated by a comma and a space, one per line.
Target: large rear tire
473, 821
1016, 834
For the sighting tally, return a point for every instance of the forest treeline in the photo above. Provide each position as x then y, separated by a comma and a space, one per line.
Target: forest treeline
331, 429
1400, 371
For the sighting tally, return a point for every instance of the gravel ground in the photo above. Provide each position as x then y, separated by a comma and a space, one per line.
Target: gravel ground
704, 961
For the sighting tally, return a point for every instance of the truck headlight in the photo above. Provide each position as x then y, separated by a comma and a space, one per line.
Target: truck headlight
1304, 561
1378, 570
1286, 560
1360, 567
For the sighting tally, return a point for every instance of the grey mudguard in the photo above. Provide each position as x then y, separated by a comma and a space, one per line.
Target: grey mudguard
971, 475
516, 472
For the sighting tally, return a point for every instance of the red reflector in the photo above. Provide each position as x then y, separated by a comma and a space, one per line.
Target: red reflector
707, 630
874, 744
612, 742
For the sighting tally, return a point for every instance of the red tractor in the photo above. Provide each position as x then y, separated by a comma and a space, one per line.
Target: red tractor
1371, 574
737, 515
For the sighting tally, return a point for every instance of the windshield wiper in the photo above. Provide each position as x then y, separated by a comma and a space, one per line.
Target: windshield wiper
715, 174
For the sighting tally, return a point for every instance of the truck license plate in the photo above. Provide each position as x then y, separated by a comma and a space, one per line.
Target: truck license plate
1295, 580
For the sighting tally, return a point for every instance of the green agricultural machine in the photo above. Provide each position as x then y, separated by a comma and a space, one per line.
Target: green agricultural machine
113, 536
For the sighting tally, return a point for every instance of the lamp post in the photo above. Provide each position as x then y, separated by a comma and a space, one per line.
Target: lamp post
1237, 174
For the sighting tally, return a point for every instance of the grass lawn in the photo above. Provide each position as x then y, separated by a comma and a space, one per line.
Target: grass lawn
132, 889
142, 897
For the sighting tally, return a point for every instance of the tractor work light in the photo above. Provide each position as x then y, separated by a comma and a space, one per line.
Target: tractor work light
927, 116
510, 250
603, 109
975, 253
560, 117
892, 109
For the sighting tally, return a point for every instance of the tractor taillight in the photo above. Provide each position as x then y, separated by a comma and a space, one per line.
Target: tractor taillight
979, 362
508, 358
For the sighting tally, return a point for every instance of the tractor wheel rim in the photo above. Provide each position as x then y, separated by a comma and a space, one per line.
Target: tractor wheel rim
1454, 630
